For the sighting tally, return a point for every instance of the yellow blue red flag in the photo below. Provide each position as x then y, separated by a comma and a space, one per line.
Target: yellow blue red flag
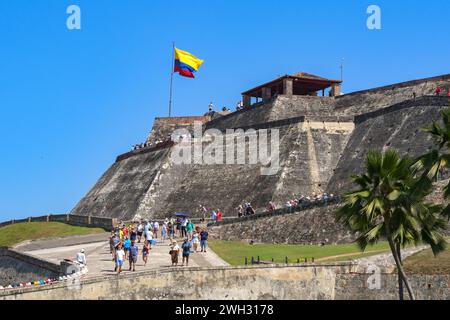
186, 64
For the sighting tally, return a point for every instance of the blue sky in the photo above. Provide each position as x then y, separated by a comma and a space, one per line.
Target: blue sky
71, 101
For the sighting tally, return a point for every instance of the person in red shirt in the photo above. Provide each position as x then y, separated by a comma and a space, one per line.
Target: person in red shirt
219, 215
438, 91
448, 93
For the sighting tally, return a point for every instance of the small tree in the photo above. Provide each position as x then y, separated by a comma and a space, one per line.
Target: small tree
390, 204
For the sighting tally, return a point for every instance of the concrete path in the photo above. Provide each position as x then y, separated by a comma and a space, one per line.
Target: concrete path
61, 242
99, 259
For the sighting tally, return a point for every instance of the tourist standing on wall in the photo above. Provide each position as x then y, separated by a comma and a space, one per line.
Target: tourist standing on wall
219, 215
204, 240
174, 253
145, 252
133, 255
271, 207
213, 216
203, 211
186, 246
240, 210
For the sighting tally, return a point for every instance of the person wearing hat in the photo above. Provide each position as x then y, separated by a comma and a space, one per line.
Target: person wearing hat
81, 257
174, 252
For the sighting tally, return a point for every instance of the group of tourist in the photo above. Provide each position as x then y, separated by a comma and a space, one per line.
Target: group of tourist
314, 200
302, 201
245, 210
124, 240
198, 240
216, 216
150, 144
439, 92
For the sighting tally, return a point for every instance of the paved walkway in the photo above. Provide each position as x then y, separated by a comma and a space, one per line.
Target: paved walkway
99, 259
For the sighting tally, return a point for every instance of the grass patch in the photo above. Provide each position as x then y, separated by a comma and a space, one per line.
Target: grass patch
16, 233
234, 252
425, 262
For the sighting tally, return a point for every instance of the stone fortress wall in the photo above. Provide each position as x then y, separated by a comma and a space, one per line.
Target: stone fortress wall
286, 282
322, 142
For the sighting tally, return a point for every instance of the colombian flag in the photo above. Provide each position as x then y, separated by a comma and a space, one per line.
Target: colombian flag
186, 64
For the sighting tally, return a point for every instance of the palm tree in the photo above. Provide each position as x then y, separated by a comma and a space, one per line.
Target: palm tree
434, 162
390, 204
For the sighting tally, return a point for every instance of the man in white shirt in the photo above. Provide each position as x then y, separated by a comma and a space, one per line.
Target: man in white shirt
81, 257
120, 256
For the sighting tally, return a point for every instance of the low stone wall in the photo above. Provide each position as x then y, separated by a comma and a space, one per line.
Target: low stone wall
313, 226
286, 282
76, 220
18, 267
353, 286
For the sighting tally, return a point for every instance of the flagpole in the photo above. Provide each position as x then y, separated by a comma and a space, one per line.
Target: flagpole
171, 79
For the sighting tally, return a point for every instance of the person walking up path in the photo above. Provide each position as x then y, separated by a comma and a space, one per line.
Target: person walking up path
120, 256
186, 246
204, 240
133, 255
145, 252
174, 253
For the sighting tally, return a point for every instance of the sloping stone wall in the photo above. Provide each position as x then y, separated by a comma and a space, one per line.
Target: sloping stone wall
16, 267
399, 129
119, 192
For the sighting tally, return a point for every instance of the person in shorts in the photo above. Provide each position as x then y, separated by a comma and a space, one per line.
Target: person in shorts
186, 246
120, 256
133, 255
204, 240
145, 252
126, 246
